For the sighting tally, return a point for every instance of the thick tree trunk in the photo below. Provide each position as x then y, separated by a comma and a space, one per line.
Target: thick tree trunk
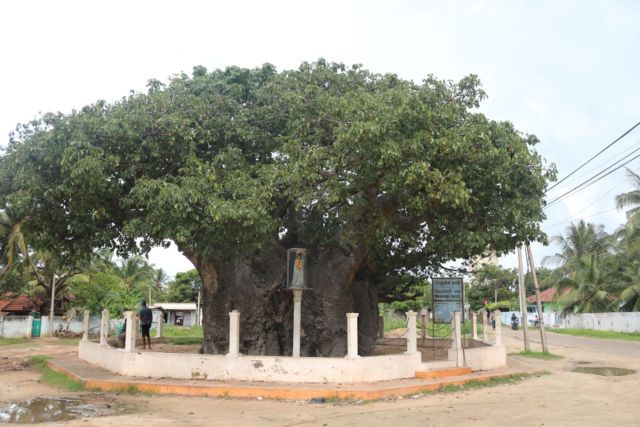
256, 288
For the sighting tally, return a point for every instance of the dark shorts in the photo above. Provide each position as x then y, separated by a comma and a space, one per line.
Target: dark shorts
145, 330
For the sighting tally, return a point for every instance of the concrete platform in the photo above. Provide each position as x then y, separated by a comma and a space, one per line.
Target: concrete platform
99, 379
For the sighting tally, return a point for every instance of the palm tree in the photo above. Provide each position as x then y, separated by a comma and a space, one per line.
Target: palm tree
159, 281
585, 268
631, 198
135, 273
629, 245
13, 244
589, 285
580, 240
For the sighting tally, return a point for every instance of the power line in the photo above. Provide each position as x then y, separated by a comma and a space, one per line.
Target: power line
600, 152
585, 173
572, 218
595, 178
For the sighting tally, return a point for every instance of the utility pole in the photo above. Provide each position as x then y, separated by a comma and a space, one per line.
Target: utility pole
523, 299
543, 332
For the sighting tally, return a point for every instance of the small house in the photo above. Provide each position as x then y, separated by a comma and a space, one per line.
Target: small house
21, 305
178, 314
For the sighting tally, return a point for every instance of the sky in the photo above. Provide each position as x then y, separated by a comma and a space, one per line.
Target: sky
564, 71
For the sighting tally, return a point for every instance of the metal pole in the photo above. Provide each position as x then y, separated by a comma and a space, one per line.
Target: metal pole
523, 299
53, 298
543, 332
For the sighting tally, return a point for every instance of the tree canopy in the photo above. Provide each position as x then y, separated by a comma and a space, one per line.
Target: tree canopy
220, 162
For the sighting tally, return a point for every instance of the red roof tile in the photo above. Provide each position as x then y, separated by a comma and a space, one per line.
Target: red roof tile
548, 295
20, 304
3, 303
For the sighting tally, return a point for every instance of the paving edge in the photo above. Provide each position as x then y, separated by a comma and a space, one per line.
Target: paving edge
224, 390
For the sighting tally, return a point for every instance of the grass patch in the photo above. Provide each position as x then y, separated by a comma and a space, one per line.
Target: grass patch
53, 378
180, 331
12, 341
591, 333
435, 330
543, 355
392, 322
183, 340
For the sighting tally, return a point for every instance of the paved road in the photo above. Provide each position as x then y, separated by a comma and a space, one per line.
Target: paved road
598, 348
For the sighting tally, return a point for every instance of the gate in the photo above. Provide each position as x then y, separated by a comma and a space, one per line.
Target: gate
35, 326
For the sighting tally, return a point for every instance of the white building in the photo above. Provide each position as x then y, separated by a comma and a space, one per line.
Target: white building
179, 314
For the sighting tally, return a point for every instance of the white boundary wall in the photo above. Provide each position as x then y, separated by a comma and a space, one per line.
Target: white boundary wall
251, 368
17, 326
617, 322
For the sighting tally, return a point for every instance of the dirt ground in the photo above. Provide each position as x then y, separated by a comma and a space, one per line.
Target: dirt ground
562, 398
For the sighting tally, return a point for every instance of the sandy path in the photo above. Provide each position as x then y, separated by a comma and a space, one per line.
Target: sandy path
562, 398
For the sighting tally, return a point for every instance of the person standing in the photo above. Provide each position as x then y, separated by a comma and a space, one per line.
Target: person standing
146, 318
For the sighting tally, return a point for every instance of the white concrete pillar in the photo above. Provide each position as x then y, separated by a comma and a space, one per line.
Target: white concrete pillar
159, 325
234, 333
297, 315
29, 327
485, 326
85, 326
412, 333
352, 335
104, 327
496, 315
457, 338
130, 339
457, 329
474, 325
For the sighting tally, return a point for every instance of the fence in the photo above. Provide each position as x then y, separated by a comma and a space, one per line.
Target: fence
17, 326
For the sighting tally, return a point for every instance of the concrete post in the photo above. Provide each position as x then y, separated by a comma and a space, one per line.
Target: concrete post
104, 327
457, 338
352, 335
85, 326
496, 315
234, 333
412, 338
297, 314
380, 326
474, 325
424, 318
130, 339
485, 326
159, 325
29, 327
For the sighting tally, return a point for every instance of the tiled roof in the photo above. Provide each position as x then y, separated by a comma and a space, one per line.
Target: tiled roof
3, 303
548, 295
21, 303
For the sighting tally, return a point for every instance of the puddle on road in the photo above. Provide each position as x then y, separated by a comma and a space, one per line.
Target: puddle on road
605, 371
40, 410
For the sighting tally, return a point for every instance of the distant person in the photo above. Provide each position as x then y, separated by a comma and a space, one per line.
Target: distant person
146, 318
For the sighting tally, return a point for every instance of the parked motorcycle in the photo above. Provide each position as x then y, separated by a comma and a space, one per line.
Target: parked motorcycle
514, 323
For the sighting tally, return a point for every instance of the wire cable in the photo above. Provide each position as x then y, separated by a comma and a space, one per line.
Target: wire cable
596, 155
593, 179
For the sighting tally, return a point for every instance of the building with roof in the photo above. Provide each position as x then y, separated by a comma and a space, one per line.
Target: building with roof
551, 308
179, 314
21, 305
